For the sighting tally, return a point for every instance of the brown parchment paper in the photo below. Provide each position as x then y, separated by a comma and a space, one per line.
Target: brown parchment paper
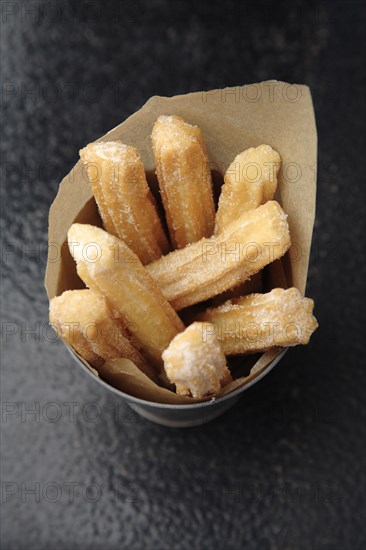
232, 119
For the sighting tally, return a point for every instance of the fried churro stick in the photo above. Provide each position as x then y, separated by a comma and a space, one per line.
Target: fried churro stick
83, 319
250, 181
125, 202
184, 178
107, 265
258, 322
195, 362
65, 319
211, 266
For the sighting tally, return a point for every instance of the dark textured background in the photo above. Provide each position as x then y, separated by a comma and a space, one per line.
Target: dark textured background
284, 469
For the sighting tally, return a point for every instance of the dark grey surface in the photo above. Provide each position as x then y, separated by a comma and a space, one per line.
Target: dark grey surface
284, 469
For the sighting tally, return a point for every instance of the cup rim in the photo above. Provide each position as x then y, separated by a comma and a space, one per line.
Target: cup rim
183, 406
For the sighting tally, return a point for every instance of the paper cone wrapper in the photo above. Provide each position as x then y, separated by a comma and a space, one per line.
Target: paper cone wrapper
232, 120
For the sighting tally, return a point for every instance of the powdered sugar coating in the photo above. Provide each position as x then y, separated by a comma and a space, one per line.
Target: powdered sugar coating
211, 266
257, 322
84, 319
124, 282
250, 180
184, 178
195, 362
124, 199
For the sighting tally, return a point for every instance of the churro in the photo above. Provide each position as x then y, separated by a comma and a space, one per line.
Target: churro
184, 179
69, 320
250, 181
83, 319
258, 322
107, 265
125, 202
211, 266
195, 362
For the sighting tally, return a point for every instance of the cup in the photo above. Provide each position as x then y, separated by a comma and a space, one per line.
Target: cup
180, 416
232, 120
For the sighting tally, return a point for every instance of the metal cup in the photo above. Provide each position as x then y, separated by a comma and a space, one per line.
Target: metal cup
181, 416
